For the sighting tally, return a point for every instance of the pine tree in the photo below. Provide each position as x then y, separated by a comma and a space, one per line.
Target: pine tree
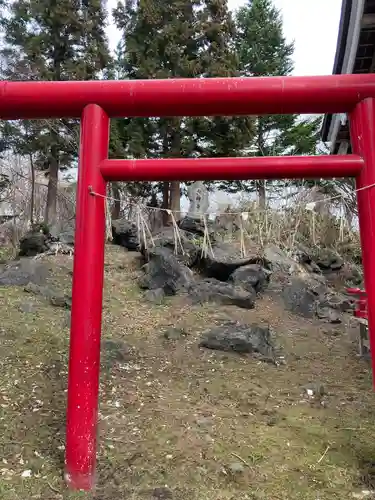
133, 138
52, 40
223, 136
263, 51
160, 41
182, 39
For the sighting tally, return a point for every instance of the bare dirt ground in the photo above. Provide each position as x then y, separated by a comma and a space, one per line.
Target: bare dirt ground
181, 422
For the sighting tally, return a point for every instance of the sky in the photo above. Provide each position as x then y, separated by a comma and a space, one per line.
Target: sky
312, 25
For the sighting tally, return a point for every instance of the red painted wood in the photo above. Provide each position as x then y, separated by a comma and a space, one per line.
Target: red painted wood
266, 167
86, 318
186, 97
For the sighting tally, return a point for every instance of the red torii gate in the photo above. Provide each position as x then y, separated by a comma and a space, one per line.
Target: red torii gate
95, 102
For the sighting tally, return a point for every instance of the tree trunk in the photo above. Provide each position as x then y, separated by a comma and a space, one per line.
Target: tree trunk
349, 216
261, 185
50, 215
166, 185
175, 194
165, 203
32, 196
262, 197
116, 207
176, 199
51, 205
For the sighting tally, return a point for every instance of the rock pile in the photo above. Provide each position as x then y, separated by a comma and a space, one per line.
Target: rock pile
219, 274
40, 240
169, 270
222, 275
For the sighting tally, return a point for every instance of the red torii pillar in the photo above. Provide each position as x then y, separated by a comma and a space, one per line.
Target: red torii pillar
95, 103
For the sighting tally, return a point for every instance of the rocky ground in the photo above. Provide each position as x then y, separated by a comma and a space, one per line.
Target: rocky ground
222, 377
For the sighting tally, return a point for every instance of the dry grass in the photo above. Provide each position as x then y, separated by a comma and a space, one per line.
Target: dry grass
289, 227
173, 414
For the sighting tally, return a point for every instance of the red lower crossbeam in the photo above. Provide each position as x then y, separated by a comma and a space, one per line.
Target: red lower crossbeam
257, 167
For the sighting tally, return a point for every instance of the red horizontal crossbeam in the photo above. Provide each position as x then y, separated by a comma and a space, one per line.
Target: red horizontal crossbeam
186, 97
266, 167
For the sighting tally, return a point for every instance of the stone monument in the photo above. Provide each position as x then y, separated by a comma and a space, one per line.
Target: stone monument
199, 202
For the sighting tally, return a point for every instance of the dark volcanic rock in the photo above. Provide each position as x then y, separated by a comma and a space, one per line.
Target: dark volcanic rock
313, 298
184, 249
125, 234
40, 240
328, 260
174, 333
23, 271
328, 314
224, 259
33, 244
163, 271
240, 338
251, 276
114, 352
162, 493
196, 226
67, 237
55, 297
299, 298
64, 235
277, 259
211, 290
337, 301
155, 295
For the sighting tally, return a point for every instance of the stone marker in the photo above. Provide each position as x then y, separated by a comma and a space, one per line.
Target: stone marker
199, 202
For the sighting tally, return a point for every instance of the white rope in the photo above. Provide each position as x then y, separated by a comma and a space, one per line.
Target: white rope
138, 219
206, 240
342, 225
108, 220
313, 227
176, 233
308, 206
145, 227
243, 217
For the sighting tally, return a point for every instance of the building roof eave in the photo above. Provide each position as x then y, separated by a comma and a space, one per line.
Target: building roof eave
347, 36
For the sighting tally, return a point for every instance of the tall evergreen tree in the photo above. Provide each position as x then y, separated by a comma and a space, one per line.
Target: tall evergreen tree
263, 51
222, 136
160, 41
181, 39
51, 40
